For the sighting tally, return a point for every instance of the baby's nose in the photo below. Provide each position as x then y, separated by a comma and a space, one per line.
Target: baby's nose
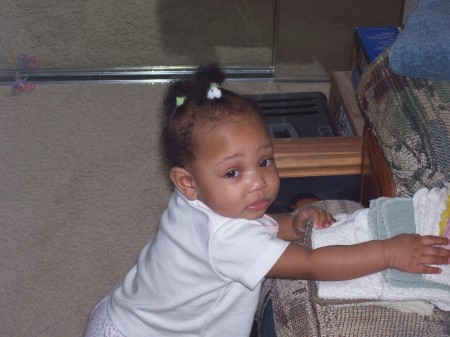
257, 181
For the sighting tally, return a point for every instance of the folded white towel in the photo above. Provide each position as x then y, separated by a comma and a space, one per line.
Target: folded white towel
440, 298
443, 277
428, 207
355, 229
347, 231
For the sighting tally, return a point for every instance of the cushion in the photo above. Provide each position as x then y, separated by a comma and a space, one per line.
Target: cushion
422, 49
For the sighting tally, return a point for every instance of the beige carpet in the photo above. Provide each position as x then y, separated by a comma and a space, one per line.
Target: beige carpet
81, 191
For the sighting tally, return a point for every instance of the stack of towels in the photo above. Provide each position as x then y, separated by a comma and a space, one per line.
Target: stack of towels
427, 212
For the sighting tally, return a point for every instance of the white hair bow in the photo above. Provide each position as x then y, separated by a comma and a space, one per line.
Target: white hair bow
214, 91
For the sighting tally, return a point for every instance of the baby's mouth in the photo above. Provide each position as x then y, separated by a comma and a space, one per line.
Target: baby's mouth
259, 205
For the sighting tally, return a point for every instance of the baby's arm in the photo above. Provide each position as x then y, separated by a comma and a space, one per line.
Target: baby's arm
406, 252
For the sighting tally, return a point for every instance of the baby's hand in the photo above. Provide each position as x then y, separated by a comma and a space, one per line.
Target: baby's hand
311, 215
414, 253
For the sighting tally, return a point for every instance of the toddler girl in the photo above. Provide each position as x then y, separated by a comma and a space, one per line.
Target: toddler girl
201, 273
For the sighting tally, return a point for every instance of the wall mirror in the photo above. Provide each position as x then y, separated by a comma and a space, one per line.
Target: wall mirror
140, 39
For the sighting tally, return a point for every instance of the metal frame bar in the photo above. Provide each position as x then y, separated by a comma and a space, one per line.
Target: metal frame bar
130, 74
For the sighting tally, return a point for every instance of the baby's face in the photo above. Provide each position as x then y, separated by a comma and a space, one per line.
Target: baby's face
234, 172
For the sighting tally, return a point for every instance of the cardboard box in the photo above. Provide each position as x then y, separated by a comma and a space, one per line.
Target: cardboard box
369, 43
343, 105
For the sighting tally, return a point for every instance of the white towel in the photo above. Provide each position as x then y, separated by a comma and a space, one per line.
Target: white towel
428, 207
440, 298
347, 231
355, 229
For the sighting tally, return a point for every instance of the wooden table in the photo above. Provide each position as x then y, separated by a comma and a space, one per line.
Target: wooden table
318, 156
334, 156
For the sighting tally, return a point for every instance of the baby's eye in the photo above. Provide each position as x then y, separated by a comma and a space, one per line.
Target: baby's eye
266, 162
232, 174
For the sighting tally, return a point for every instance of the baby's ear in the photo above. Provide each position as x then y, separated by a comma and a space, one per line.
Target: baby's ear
182, 179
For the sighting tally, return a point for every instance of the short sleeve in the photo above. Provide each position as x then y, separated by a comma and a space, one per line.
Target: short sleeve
245, 251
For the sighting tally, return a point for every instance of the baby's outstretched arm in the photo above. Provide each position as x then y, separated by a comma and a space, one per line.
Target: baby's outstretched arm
406, 252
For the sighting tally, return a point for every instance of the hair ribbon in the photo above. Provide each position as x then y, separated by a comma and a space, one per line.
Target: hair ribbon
214, 91
180, 100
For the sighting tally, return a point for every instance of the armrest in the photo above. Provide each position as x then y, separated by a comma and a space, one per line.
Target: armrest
376, 177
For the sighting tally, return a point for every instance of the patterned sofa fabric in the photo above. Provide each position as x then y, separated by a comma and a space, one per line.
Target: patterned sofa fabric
291, 308
411, 120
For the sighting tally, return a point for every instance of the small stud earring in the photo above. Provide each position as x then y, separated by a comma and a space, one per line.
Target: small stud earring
191, 195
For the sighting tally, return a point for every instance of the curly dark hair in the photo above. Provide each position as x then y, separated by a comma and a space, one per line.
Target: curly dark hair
194, 110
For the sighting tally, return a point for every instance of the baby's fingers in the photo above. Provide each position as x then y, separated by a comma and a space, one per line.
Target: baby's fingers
436, 256
435, 240
429, 270
319, 217
435, 259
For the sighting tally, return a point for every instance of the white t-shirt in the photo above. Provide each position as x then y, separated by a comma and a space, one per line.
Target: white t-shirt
199, 276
